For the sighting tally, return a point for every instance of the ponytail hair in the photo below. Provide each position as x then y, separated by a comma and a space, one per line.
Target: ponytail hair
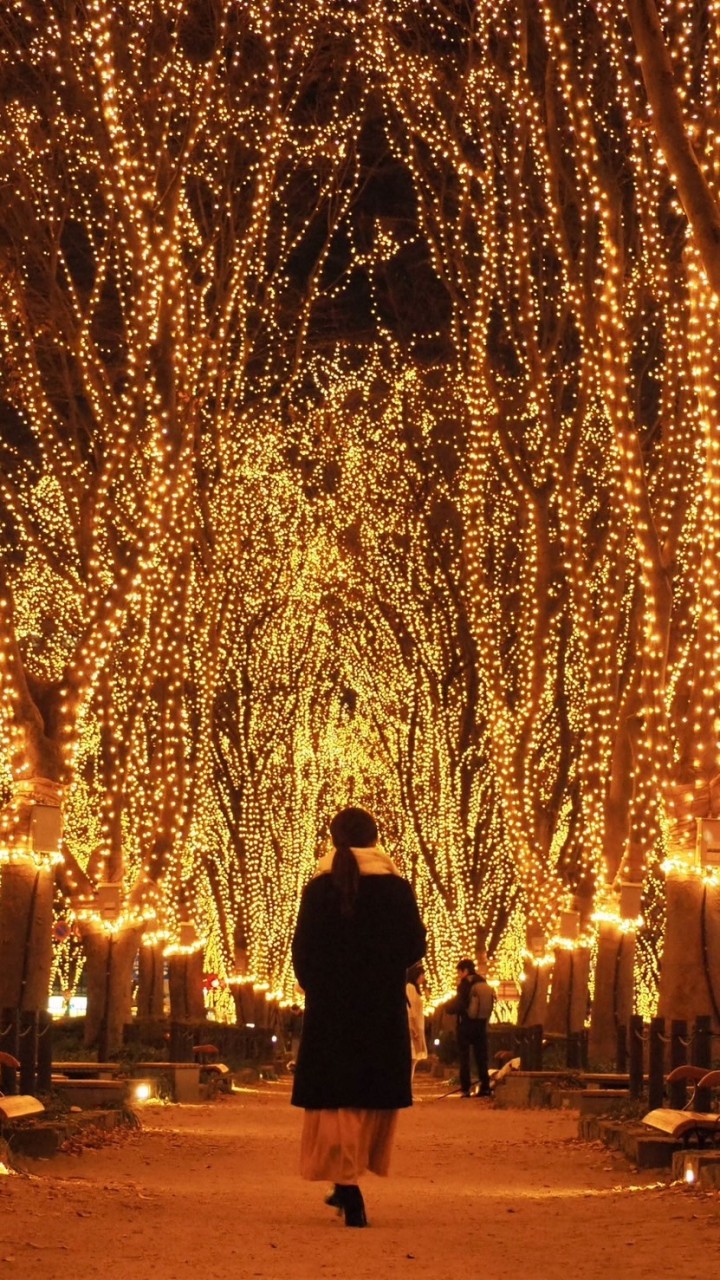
350, 828
345, 876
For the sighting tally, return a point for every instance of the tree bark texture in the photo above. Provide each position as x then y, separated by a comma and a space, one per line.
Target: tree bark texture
26, 898
185, 978
690, 970
109, 960
262, 1009
151, 982
244, 999
612, 1004
671, 133
568, 1002
532, 1008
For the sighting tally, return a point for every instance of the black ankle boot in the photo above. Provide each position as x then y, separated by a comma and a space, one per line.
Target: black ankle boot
335, 1199
353, 1206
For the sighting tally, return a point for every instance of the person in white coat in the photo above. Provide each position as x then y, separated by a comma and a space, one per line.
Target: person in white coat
415, 992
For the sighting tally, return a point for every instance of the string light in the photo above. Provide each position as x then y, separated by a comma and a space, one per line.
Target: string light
282, 539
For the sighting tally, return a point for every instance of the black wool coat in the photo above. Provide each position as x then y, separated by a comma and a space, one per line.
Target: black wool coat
355, 1046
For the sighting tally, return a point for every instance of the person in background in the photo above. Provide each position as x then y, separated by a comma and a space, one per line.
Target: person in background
295, 1022
358, 931
473, 1006
415, 992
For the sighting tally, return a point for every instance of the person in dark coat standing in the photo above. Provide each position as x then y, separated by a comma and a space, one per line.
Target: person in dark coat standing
472, 1005
358, 931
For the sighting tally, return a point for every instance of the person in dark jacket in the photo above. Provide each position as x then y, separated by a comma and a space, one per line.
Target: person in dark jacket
358, 931
473, 1007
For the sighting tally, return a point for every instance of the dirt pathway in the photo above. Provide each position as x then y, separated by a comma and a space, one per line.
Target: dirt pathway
212, 1192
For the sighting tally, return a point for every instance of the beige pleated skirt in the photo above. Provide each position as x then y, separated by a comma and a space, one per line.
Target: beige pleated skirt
340, 1146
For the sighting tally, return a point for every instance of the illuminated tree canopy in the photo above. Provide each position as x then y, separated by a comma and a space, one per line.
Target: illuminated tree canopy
358, 443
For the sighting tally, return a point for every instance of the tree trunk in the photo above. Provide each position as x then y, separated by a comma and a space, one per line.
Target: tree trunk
109, 959
185, 978
262, 1009
567, 1006
26, 898
244, 998
612, 1004
151, 982
690, 972
671, 132
532, 1009
481, 955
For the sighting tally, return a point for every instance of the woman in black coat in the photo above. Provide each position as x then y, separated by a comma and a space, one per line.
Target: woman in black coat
358, 931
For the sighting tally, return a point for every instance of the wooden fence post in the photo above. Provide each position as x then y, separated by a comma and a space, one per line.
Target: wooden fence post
635, 1048
702, 1057
28, 1050
678, 1058
656, 1065
44, 1052
9, 1044
621, 1057
536, 1047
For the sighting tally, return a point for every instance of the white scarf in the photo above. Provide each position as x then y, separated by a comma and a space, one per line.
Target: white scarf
371, 862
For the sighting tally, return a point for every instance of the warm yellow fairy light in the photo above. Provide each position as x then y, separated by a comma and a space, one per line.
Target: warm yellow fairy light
681, 868
287, 540
625, 924
176, 949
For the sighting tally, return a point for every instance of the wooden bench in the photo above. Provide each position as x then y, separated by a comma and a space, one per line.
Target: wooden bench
87, 1070
17, 1106
206, 1052
687, 1123
498, 1074
215, 1075
216, 1068
580, 1079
